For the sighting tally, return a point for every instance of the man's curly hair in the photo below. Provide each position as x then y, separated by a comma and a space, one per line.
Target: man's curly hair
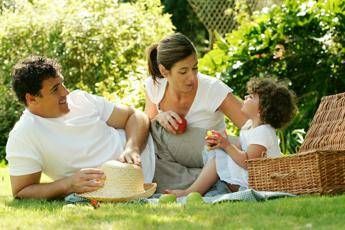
28, 75
276, 102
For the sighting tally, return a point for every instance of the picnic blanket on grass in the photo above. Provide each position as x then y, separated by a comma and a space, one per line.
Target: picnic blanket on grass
245, 195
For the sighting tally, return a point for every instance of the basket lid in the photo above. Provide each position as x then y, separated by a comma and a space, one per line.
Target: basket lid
327, 129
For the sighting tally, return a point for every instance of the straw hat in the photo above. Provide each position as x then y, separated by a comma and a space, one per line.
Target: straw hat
124, 182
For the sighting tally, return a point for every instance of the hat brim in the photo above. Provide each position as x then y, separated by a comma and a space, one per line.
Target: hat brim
149, 190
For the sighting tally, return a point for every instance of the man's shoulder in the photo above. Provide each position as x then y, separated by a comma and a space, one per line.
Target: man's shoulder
24, 127
26, 121
77, 93
78, 97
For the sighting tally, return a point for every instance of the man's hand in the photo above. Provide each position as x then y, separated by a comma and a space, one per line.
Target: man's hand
130, 156
86, 180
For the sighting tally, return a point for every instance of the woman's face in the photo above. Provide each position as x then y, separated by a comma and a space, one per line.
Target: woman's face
182, 76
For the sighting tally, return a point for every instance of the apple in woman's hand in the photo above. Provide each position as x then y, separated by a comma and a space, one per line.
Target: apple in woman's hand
182, 126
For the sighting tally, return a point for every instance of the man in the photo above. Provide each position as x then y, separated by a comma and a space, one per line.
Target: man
68, 135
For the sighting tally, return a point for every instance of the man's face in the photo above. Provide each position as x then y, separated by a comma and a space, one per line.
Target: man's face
52, 101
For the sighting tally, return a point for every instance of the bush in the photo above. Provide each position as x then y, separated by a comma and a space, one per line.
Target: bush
186, 21
302, 42
100, 45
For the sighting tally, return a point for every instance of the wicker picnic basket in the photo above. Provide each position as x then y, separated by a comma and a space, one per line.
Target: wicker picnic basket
319, 166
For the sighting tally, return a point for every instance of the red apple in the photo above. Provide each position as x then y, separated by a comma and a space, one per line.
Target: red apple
181, 126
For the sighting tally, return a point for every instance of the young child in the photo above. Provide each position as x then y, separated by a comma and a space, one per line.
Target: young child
268, 106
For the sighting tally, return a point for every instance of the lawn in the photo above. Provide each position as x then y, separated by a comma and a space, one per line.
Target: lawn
315, 212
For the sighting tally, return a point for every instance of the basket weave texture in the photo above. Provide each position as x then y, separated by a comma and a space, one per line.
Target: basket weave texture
319, 166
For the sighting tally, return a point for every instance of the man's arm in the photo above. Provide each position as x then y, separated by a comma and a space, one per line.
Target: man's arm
136, 125
29, 186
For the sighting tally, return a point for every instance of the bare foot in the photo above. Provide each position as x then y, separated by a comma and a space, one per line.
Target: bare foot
176, 192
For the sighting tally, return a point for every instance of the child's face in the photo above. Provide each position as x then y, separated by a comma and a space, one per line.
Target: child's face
251, 105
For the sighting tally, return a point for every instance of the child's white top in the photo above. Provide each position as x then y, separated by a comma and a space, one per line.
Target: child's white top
203, 112
265, 135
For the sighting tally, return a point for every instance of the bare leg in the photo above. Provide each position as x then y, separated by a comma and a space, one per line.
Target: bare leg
205, 180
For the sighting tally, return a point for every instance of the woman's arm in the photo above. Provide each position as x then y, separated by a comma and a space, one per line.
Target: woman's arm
167, 119
231, 107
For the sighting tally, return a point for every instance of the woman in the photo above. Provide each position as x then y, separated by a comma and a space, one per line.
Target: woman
174, 90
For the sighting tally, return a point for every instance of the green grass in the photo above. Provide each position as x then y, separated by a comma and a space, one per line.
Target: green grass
304, 212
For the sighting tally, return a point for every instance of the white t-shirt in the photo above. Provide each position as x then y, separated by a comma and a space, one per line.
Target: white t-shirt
228, 170
79, 139
210, 94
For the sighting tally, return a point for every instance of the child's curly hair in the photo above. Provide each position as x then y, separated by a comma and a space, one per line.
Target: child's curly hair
276, 102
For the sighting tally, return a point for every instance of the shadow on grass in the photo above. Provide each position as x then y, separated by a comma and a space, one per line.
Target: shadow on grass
37, 204
109, 215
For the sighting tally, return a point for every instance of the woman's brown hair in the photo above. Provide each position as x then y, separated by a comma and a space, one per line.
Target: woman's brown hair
167, 52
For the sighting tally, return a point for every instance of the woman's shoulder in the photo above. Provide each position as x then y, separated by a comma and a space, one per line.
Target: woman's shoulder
150, 84
155, 90
149, 81
208, 82
207, 79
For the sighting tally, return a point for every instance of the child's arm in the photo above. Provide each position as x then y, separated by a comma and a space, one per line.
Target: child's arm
216, 140
241, 157
235, 141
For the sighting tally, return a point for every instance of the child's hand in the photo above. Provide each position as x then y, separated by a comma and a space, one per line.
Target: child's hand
215, 140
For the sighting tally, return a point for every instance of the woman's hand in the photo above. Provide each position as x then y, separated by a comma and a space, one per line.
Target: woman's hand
169, 120
216, 140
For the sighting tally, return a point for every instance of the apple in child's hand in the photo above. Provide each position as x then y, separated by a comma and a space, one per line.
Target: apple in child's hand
182, 126
210, 133
167, 198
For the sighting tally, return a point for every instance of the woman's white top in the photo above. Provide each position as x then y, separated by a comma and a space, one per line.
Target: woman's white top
203, 112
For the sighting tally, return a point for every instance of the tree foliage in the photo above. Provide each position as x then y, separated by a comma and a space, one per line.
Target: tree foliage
186, 21
301, 42
100, 45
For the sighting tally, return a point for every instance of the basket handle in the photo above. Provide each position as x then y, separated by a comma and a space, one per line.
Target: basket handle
283, 176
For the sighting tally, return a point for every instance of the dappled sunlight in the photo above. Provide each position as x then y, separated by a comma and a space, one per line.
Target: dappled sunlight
5, 188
